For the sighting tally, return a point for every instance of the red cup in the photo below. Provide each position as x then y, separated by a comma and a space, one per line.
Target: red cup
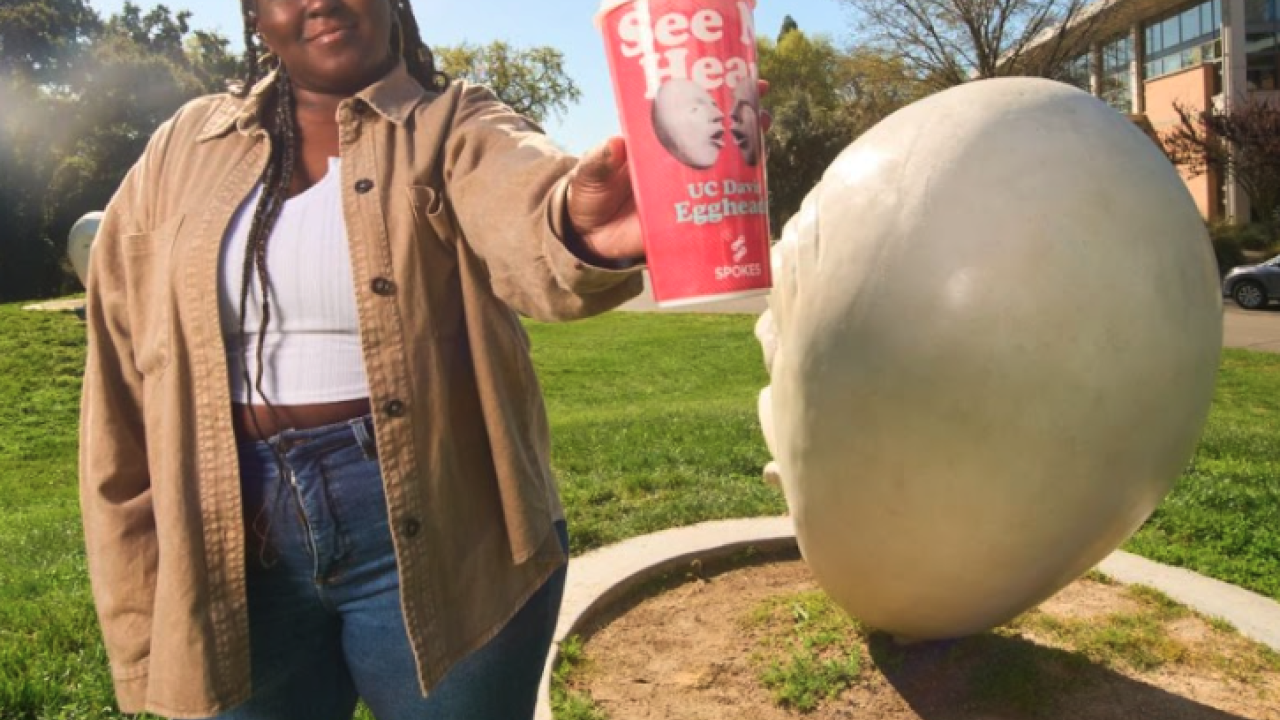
685, 78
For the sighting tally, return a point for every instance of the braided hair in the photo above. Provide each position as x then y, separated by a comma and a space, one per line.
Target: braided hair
406, 43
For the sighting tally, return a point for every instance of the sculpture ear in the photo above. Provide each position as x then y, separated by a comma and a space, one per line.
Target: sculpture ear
772, 471
768, 337
764, 406
773, 475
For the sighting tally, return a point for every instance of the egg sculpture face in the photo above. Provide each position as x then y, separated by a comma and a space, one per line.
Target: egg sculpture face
995, 332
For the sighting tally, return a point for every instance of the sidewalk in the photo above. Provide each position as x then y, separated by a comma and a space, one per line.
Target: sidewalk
1249, 329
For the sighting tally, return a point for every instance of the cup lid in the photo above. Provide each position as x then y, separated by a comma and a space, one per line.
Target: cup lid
608, 6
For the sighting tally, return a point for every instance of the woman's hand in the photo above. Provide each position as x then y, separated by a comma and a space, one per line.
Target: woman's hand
602, 205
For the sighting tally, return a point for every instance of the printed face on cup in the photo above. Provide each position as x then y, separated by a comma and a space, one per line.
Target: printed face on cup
688, 123
746, 123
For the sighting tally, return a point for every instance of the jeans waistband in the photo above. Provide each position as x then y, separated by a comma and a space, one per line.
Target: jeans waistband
356, 430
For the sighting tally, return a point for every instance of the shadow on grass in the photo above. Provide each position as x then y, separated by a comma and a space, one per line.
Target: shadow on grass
991, 677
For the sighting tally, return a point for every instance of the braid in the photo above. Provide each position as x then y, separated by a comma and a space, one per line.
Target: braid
418, 58
276, 179
252, 53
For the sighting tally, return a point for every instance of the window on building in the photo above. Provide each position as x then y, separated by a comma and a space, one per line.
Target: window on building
1117, 89
1187, 38
1076, 73
1262, 44
1261, 11
1262, 71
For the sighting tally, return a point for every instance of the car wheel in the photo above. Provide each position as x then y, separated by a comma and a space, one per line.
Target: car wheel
1250, 295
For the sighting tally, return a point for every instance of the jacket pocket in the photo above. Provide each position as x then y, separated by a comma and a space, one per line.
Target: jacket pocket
434, 257
149, 282
430, 211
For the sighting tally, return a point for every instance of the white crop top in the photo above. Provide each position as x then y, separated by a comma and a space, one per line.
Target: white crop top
312, 348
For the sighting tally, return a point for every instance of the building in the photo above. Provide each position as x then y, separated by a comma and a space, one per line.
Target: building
1145, 55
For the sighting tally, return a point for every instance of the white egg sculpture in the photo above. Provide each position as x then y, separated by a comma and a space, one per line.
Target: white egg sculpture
993, 341
80, 242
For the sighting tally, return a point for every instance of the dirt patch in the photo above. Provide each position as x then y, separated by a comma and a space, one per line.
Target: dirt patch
1083, 601
699, 651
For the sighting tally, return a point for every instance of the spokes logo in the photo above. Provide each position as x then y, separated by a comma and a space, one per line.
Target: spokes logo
737, 269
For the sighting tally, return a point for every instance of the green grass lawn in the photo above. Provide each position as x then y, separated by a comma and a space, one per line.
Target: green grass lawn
654, 424
1223, 517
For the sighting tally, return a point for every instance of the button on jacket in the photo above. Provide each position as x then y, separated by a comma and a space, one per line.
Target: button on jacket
455, 212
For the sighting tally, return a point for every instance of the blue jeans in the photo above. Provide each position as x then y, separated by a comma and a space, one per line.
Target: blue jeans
324, 597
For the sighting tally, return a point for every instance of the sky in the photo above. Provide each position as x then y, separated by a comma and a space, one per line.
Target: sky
526, 23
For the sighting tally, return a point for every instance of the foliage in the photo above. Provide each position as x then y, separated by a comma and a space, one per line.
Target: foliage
1223, 517
566, 702
40, 43
1228, 249
38, 38
822, 98
1242, 144
80, 120
811, 650
1139, 638
789, 24
1236, 244
531, 80
949, 42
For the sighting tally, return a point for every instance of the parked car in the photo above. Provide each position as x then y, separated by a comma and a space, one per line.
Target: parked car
1253, 286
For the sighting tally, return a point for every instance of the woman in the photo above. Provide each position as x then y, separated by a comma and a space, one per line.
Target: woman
314, 461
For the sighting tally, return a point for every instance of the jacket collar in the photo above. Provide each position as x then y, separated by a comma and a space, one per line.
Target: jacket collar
394, 97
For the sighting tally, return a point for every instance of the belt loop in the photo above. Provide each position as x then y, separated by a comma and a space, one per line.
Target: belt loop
361, 428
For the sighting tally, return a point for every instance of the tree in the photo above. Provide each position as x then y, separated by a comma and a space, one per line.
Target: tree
532, 81
1242, 145
142, 67
74, 125
38, 38
822, 99
950, 42
27, 261
40, 42
789, 24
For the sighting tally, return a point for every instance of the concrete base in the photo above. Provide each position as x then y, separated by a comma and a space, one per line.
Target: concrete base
601, 579
71, 306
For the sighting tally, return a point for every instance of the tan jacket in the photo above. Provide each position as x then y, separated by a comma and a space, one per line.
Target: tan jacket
459, 203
